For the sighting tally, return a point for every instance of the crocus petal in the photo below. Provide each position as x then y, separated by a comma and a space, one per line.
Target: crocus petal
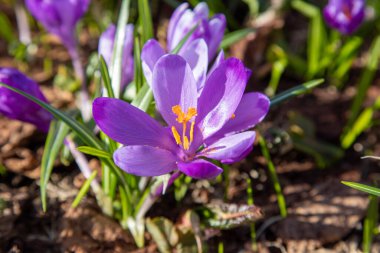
145, 161
221, 96
173, 84
219, 59
184, 24
201, 11
15, 106
217, 25
200, 169
196, 56
177, 14
129, 125
252, 109
151, 52
232, 148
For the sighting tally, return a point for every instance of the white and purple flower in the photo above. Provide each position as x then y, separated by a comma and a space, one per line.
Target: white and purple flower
205, 125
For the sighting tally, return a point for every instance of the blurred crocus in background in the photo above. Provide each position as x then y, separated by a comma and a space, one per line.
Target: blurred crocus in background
106, 46
184, 19
345, 15
15, 106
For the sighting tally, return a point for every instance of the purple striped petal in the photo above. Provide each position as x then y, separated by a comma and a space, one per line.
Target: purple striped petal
173, 84
219, 59
221, 96
252, 109
217, 25
177, 14
151, 52
200, 169
129, 125
196, 56
201, 11
232, 148
145, 161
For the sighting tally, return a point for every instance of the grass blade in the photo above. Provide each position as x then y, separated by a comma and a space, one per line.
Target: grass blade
183, 41
364, 188
233, 37
106, 77
82, 131
84, 189
145, 18
273, 175
94, 152
370, 223
117, 56
54, 141
298, 90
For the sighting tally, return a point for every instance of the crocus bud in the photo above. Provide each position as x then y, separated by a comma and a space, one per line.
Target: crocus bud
59, 16
105, 48
344, 15
15, 106
184, 19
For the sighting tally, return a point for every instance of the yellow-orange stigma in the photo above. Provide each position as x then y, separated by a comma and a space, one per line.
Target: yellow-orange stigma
183, 118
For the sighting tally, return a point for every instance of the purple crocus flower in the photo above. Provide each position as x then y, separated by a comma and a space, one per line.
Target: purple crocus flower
184, 19
59, 16
15, 106
210, 125
105, 48
344, 15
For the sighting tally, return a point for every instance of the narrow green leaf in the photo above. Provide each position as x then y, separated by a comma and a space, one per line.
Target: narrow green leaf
54, 141
364, 188
145, 18
106, 77
233, 37
82, 131
84, 189
139, 75
143, 98
370, 223
94, 152
273, 175
298, 90
183, 41
117, 58
6, 30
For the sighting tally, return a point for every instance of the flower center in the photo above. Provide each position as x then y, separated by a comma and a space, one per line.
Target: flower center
183, 118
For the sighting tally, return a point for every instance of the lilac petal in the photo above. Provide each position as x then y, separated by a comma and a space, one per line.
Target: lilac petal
196, 56
230, 149
201, 11
221, 96
252, 109
145, 161
217, 25
129, 125
177, 14
184, 24
151, 52
219, 59
173, 84
200, 169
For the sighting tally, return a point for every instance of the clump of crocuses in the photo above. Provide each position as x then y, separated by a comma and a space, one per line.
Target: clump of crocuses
106, 46
345, 15
201, 125
59, 17
15, 106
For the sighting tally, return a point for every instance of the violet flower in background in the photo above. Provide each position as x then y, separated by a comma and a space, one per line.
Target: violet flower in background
105, 48
15, 106
59, 17
209, 125
345, 15
184, 19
